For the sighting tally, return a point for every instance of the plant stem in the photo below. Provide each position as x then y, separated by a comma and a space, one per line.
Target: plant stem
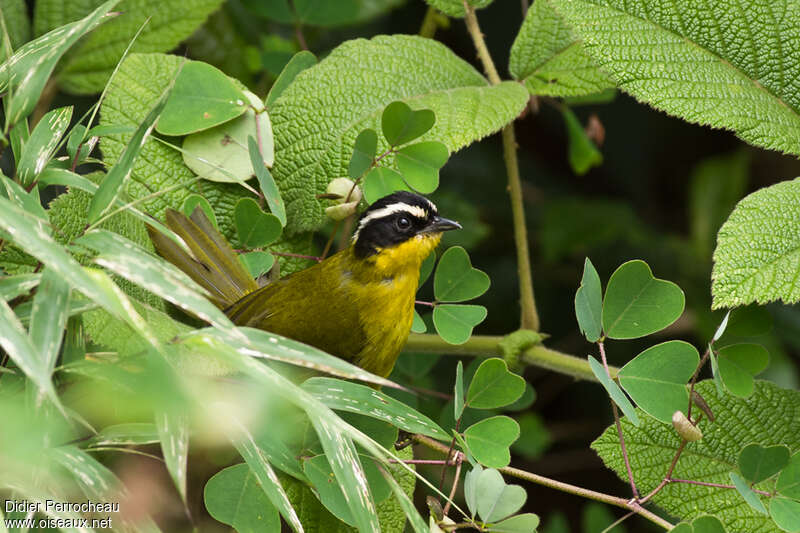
717, 485
459, 460
489, 345
429, 25
564, 487
619, 427
529, 318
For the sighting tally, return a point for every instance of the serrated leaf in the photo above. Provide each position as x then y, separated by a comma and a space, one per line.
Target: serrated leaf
420, 163
614, 391
739, 364
747, 493
454, 8
363, 153
364, 400
550, 60
489, 440
707, 72
456, 280
369, 75
589, 303
637, 303
758, 249
27, 71
454, 322
789, 481
493, 385
87, 68
382, 181
233, 496
656, 378
760, 418
265, 180
44, 139
582, 153
299, 62
757, 463
255, 228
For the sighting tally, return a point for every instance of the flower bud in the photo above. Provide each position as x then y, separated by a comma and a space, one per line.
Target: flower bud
345, 195
685, 429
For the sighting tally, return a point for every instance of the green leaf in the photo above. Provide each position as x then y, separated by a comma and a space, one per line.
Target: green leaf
27, 71
738, 364
40, 147
363, 76
194, 201
49, 318
418, 325
764, 417
550, 60
637, 304
221, 153
723, 78
257, 263
471, 487
454, 8
233, 496
13, 286
115, 180
265, 180
656, 378
758, 249
491, 496
364, 151
582, 153
203, 97
173, 432
364, 400
789, 481
97, 481
130, 434
489, 440
494, 386
420, 163
255, 228
454, 322
458, 397
400, 124
589, 303
786, 513
298, 63
382, 181
707, 524
456, 280
17, 24
747, 493
757, 463
614, 391
523, 523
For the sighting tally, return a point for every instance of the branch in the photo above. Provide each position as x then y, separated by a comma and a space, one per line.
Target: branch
489, 346
529, 318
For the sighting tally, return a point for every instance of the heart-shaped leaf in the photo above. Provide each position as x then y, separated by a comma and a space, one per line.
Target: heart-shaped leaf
589, 303
420, 163
456, 280
757, 463
471, 488
494, 499
489, 440
494, 386
454, 322
257, 263
363, 153
203, 97
221, 153
400, 124
382, 181
707, 524
522, 523
747, 493
738, 364
614, 391
789, 481
785, 513
194, 201
656, 378
637, 304
234, 497
254, 227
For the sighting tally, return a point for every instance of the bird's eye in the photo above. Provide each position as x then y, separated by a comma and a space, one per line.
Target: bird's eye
403, 223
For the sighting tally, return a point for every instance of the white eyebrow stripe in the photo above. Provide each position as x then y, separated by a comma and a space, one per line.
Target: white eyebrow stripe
391, 209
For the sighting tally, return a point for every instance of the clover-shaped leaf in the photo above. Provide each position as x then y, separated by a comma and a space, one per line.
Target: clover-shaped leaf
234, 497
194, 201
614, 391
703, 524
257, 263
254, 227
589, 303
203, 97
738, 364
401, 124
637, 304
456, 280
757, 463
420, 163
490, 497
382, 181
494, 386
454, 322
785, 513
418, 324
656, 378
522, 523
789, 481
363, 153
489, 440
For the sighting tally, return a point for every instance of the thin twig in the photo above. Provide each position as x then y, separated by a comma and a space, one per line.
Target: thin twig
459, 460
716, 485
694, 380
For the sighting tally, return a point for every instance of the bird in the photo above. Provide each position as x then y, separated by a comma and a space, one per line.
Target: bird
357, 304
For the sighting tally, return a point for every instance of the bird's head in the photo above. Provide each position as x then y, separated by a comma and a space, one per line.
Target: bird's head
399, 231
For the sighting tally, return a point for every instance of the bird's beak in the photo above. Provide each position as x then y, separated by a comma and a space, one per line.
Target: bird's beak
440, 224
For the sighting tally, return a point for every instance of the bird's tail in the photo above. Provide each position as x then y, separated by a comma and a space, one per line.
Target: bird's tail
212, 263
